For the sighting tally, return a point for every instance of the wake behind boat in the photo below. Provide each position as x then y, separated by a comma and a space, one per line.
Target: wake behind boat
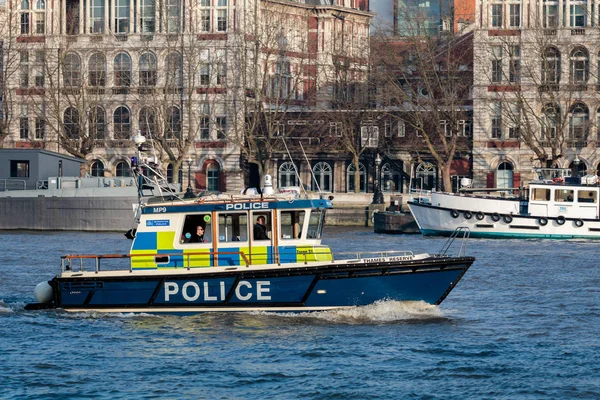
554, 206
244, 252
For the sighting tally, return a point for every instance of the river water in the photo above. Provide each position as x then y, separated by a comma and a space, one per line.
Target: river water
523, 323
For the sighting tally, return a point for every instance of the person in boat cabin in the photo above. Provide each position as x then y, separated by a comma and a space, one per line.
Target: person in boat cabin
198, 236
260, 228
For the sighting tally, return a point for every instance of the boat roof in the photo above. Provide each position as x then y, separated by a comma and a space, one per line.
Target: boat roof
225, 202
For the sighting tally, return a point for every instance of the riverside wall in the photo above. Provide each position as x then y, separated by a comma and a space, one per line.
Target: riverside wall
116, 213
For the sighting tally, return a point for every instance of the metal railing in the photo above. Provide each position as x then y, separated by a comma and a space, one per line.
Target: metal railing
466, 234
12, 184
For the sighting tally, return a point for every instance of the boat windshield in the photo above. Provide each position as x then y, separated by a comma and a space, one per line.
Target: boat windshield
315, 224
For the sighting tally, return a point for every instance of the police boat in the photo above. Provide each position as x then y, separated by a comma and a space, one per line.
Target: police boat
244, 252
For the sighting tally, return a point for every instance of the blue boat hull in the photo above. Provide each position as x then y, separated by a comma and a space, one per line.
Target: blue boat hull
281, 289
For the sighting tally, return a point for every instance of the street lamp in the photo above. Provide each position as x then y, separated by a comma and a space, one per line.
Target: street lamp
189, 193
377, 194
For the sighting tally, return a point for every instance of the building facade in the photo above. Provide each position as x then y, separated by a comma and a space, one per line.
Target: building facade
84, 76
536, 82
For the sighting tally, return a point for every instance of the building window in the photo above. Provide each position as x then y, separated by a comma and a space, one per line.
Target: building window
171, 173
25, 17
71, 123
222, 20
496, 120
350, 176
174, 73
24, 128
463, 127
550, 14
550, 121
497, 15
173, 16
204, 75
72, 70
39, 71
504, 175
391, 178
288, 175
122, 70
497, 64
369, 136
514, 125
174, 127
123, 169
514, 11
121, 16
387, 127
147, 122
122, 123
578, 15
96, 16
205, 128
148, 15
97, 168
579, 66
323, 174
24, 68
19, 169
445, 127
578, 122
514, 70
97, 123
205, 16
148, 69
335, 129
97, 67
212, 177
551, 66
40, 128
221, 126
401, 129
40, 17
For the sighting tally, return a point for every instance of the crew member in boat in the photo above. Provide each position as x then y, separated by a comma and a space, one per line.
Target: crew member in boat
260, 228
196, 237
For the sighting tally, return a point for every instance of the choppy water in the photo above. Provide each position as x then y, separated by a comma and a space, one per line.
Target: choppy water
524, 323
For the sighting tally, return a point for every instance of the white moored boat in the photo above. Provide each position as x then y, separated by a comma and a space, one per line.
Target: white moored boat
555, 206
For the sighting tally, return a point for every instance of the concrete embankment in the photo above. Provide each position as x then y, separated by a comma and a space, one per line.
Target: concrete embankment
116, 213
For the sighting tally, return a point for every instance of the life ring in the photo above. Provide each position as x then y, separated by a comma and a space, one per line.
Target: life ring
495, 217
454, 213
558, 180
578, 223
560, 220
542, 221
468, 215
507, 218
479, 215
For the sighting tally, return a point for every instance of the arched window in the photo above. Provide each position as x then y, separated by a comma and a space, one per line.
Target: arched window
391, 180
550, 121
350, 172
551, 66
323, 174
578, 167
97, 70
122, 123
174, 129
148, 69
174, 72
123, 70
72, 70
170, 173
97, 123
71, 123
147, 122
580, 71
425, 176
578, 122
504, 175
212, 177
287, 174
123, 169
97, 168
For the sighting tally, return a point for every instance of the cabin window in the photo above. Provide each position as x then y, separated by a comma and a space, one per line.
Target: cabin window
233, 227
563, 195
315, 225
292, 223
587, 196
197, 229
262, 226
541, 194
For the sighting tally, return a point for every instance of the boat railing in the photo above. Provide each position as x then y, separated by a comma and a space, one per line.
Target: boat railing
420, 196
463, 233
12, 184
362, 255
